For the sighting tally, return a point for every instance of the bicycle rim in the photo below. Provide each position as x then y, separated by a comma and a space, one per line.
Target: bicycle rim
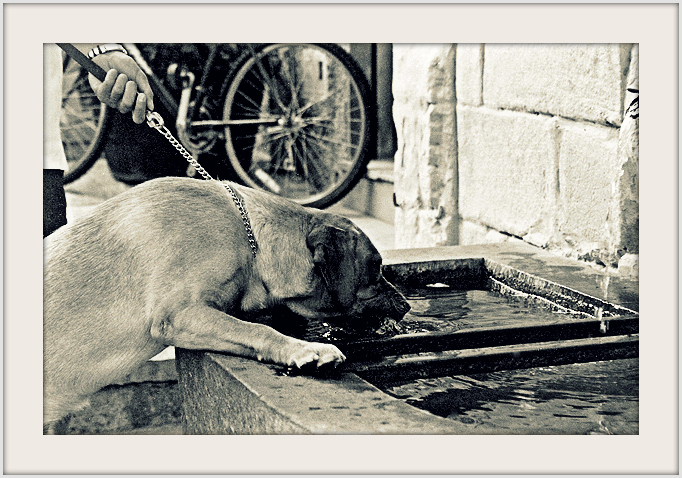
300, 122
83, 122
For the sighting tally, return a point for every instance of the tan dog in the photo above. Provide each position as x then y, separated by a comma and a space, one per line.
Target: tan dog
168, 263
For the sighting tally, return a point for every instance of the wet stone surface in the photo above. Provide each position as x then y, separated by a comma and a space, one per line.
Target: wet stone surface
621, 290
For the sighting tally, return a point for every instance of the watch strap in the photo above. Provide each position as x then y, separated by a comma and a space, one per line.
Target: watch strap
101, 49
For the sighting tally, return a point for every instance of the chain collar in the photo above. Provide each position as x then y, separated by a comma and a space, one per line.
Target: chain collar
154, 120
245, 218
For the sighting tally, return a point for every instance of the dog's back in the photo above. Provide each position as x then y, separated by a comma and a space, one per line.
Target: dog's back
169, 262
101, 275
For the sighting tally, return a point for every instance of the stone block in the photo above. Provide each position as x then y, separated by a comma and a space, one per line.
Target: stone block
628, 266
424, 227
425, 166
626, 203
538, 239
587, 177
408, 158
406, 227
472, 233
469, 74
423, 107
583, 82
624, 216
419, 72
224, 395
507, 169
215, 402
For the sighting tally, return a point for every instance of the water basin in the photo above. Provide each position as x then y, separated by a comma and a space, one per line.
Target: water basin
486, 349
577, 398
583, 398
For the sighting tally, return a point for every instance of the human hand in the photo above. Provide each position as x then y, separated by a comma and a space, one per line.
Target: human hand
125, 86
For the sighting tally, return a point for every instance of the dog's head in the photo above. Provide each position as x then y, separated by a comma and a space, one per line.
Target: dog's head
347, 283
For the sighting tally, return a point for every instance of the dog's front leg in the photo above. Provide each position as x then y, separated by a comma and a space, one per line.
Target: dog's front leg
201, 327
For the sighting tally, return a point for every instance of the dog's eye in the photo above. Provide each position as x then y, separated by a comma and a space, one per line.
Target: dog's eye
375, 269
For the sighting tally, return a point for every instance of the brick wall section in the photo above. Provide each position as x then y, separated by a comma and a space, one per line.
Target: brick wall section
541, 149
581, 82
425, 163
624, 228
506, 169
587, 157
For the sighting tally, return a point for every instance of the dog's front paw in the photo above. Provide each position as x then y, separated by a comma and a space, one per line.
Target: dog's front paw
305, 354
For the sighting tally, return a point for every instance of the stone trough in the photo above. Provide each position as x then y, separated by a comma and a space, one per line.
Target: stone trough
209, 393
223, 394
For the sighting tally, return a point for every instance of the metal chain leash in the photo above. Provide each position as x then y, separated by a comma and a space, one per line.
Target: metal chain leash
154, 120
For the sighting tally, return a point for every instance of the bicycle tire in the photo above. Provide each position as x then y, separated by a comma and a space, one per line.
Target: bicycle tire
315, 99
84, 122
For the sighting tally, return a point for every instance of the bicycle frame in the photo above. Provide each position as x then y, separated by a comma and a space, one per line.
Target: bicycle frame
183, 110
293, 119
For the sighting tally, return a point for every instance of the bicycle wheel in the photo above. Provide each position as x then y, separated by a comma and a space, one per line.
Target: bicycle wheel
298, 122
83, 121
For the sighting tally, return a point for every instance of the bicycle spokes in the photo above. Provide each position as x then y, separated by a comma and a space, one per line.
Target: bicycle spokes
82, 122
296, 122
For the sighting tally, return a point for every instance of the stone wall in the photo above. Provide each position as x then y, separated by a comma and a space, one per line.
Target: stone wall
518, 142
425, 174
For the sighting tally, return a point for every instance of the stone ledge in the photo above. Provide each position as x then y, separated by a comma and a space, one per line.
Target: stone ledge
578, 275
380, 170
225, 394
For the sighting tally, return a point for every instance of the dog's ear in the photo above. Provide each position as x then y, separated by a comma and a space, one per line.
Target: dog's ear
333, 251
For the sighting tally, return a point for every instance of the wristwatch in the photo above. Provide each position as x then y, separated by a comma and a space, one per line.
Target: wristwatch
100, 49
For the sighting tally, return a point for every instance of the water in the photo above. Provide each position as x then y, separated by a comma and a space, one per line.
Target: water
577, 399
445, 310
590, 398
434, 309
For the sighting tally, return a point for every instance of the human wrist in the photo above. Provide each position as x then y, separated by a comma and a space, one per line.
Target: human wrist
106, 48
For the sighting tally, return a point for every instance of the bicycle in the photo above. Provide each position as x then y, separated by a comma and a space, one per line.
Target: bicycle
83, 123
291, 119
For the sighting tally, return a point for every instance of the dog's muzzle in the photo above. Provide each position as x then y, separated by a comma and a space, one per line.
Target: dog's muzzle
388, 305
